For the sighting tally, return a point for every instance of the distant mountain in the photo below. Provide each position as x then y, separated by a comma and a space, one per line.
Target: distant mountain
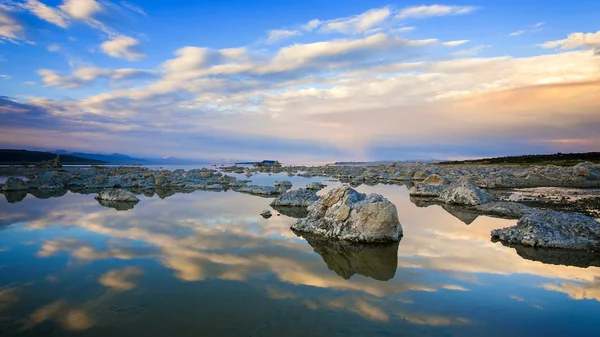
17, 157
109, 158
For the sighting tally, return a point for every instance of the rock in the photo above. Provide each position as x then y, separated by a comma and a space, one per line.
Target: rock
420, 175
285, 184
266, 214
160, 180
434, 179
426, 190
544, 228
315, 186
377, 261
46, 181
50, 164
14, 184
586, 169
346, 214
298, 198
117, 195
466, 194
214, 187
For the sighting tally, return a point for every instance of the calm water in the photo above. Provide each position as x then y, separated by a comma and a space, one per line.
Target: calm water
207, 264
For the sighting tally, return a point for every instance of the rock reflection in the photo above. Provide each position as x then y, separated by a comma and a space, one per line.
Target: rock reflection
118, 205
14, 196
48, 193
377, 261
292, 212
563, 257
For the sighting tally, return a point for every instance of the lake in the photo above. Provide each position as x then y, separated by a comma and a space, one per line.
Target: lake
207, 264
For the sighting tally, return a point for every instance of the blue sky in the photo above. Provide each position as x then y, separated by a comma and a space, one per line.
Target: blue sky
300, 80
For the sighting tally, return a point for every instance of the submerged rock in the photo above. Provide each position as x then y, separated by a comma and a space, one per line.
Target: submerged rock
297, 198
14, 184
260, 190
119, 195
504, 209
543, 228
266, 214
346, 214
377, 261
465, 194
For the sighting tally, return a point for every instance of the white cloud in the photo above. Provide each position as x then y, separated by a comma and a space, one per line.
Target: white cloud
471, 51
86, 75
124, 47
46, 13
5, 77
133, 8
359, 23
421, 12
539, 24
54, 47
311, 25
81, 9
278, 35
517, 33
454, 43
10, 29
576, 40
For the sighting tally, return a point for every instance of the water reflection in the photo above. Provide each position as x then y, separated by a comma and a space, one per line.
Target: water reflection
377, 261
205, 259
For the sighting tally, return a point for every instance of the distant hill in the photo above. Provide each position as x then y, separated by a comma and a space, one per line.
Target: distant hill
561, 159
110, 158
17, 157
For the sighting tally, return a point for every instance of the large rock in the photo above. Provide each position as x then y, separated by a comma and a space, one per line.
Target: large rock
46, 181
465, 194
14, 184
346, 214
543, 228
285, 184
315, 186
298, 198
118, 194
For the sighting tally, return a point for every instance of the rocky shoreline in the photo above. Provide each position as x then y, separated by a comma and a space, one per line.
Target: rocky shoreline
465, 191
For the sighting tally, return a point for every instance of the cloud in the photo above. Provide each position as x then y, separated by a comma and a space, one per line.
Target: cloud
576, 40
279, 35
471, 51
54, 47
133, 8
124, 47
455, 43
5, 77
356, 24
86, 75
81, 9
312, 25
10, 29
47, 13
422, 12
121, 279
517, 33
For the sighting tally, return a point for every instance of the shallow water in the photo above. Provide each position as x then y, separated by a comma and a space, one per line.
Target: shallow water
207, 264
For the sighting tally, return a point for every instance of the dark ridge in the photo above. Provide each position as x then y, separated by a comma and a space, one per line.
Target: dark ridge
18, 157
560, 159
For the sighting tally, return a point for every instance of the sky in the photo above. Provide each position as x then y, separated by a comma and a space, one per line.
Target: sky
301, 81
